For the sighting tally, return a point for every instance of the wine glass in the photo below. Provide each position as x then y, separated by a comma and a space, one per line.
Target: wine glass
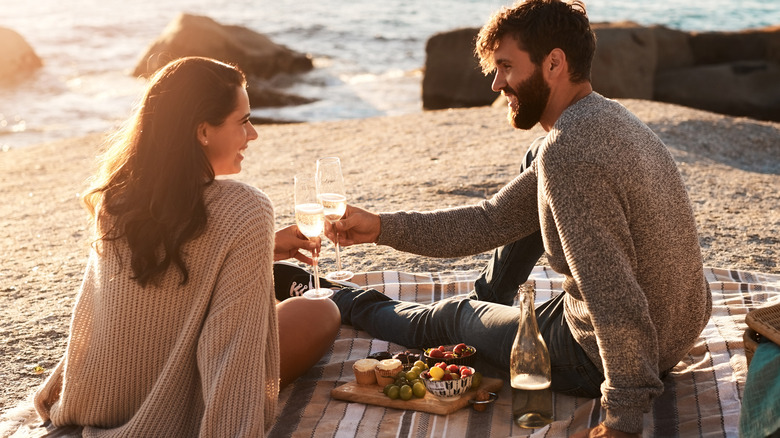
332, 196
311, 222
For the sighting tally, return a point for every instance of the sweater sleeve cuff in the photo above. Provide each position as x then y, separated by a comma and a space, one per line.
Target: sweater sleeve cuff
625, 420
389, 229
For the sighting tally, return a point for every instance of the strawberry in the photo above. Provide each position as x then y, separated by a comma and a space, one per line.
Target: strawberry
436, 353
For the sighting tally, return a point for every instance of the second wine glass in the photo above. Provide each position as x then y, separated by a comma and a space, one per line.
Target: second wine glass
333, 197
311, 223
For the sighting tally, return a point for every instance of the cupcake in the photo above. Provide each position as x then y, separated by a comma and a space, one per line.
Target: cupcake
386, 370
364, 371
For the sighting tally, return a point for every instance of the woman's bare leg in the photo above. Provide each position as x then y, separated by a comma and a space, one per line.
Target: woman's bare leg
307, 329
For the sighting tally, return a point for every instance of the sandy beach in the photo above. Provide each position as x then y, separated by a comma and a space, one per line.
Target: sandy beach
421, 161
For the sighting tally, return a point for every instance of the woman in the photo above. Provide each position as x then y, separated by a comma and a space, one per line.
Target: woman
176, 330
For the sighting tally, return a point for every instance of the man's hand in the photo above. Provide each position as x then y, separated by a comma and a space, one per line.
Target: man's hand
356, 226
289, 241
603, 431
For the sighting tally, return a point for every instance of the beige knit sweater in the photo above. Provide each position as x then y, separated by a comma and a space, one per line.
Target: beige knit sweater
177, 361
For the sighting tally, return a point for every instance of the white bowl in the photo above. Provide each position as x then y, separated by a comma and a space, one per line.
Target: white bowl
449, 389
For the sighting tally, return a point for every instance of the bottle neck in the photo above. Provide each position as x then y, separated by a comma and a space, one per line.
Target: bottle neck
526, 297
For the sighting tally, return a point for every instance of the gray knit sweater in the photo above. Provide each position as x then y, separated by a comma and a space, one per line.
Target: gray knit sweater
617, 222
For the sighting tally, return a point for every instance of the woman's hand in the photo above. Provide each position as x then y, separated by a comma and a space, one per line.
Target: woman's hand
289, 241
356, 226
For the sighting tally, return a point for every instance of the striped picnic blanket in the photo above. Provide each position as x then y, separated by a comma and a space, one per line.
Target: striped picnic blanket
702, 395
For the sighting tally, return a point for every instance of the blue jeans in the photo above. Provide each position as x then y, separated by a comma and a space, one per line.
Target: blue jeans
486, 320
489, 327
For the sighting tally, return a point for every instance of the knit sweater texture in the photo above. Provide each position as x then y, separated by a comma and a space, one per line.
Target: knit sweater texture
617, 222
200, 359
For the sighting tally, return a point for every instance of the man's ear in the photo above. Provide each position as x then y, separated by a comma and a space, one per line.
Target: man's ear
556, 63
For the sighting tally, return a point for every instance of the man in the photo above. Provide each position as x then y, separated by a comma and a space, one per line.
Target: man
614, 216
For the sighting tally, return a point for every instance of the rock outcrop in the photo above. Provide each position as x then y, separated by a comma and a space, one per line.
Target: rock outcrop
258, 56
734, 73
17, 58
625, 60
192, 35
453, 78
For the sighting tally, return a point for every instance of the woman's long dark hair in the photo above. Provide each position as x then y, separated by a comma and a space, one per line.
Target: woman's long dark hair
149, 191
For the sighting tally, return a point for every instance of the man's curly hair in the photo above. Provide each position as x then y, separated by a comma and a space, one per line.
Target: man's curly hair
539, 26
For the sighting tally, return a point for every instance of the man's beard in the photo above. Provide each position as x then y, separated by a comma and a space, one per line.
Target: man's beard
532, 95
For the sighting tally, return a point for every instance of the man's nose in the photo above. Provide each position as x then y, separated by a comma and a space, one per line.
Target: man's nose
499, 82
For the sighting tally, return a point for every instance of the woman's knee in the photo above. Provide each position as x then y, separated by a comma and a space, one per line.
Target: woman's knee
308, 320
307, 329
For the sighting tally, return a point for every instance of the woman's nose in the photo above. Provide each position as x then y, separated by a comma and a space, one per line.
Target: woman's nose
252, 134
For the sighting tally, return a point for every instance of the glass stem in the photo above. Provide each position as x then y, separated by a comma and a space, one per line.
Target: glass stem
316, 273
338, 255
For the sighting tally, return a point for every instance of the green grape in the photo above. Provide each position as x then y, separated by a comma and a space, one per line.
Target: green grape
419, 389
406, 392
394, 392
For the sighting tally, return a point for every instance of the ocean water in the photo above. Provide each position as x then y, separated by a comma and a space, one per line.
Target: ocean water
368, 54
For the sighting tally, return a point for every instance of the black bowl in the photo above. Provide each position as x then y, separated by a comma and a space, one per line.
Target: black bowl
467, 360
407, 358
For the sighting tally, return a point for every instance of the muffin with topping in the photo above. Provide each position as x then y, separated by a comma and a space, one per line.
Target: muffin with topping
364, 371
386, 371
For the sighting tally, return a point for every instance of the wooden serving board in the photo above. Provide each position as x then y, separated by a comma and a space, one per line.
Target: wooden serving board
372, 395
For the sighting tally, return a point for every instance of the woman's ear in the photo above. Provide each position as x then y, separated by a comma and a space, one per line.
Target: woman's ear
202, 132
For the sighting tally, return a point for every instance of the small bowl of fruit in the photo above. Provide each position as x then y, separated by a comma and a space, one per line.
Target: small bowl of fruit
460, 354
447, 382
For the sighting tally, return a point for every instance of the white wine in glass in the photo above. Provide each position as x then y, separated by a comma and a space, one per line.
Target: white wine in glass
310, 218
332, 196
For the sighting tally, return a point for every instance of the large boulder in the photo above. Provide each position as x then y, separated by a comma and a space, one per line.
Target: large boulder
625, 60
192, 35
740, 88
17, 58
453, 78
673, 48
727, 47
735, 73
